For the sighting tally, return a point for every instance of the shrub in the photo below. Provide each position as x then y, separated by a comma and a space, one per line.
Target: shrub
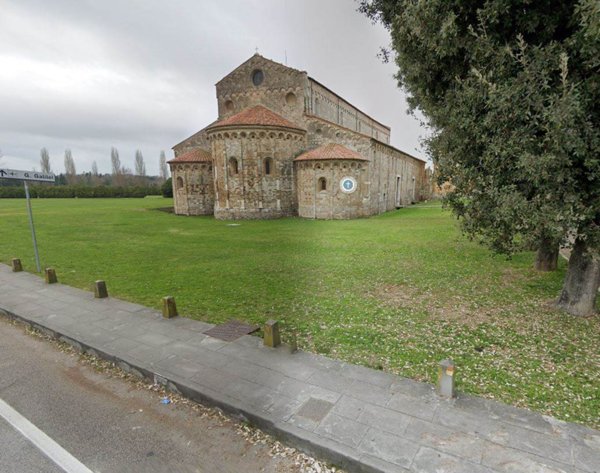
167, 188
61, 192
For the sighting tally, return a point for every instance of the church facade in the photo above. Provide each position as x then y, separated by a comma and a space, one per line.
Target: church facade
285, 145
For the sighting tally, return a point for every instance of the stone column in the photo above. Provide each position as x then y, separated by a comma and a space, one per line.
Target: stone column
445, 385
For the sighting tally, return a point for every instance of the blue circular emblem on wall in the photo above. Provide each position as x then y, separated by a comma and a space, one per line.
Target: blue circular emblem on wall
348, 185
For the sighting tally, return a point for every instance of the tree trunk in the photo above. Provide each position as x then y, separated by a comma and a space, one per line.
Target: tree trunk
547, 255
580, 288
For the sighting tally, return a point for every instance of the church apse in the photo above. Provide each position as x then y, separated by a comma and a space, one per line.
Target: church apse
282, 145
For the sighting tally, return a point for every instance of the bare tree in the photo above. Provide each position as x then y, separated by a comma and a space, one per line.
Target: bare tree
140, 166
70, 170
45, 161
117, 169
116, 162
162, 166
95, 177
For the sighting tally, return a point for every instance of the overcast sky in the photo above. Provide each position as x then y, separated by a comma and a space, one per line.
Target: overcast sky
91, 74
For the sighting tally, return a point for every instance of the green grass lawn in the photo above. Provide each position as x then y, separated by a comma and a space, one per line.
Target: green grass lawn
398, 292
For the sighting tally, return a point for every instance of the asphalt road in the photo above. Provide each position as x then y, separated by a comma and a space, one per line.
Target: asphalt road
106, 423
18, 454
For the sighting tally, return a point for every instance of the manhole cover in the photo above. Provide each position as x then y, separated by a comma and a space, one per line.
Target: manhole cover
231, 330
315, 409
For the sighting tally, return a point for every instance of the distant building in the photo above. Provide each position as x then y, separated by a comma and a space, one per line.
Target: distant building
286, 145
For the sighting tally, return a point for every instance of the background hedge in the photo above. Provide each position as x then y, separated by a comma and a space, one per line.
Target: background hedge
79, 191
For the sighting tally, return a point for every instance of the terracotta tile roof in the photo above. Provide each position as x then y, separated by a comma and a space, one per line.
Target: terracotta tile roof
331, 151
257, 115
197, 155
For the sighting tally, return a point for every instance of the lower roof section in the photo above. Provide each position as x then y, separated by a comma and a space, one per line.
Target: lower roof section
331, 151
197, 155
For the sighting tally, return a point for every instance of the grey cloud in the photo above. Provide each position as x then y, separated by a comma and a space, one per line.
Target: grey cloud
140, 74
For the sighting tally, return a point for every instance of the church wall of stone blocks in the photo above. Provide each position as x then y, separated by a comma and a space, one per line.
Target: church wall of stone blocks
285, 145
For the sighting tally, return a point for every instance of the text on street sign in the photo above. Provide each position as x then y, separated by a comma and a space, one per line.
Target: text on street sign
26, 175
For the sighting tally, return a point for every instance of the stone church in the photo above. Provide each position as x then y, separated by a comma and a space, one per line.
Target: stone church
286, 145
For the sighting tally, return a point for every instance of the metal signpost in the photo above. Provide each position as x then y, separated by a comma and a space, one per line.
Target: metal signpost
29, 176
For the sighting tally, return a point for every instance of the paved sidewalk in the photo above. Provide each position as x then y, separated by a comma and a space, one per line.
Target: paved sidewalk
361, 419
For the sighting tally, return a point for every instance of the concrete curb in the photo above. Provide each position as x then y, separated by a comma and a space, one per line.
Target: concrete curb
301, 439
360, 419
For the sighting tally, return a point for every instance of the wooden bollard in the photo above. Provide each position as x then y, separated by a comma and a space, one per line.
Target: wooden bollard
272, 338
50, 276
100, 291
17, 267
169, 309
293, 342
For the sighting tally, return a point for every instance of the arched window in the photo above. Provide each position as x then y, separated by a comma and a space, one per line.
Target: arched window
179, 182
233, 166
322, 186
268, 166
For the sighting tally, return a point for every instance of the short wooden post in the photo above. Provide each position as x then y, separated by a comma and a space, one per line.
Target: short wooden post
17, 267
100, 291
293, 342
50, 274
169, 309
445, 385
272, 338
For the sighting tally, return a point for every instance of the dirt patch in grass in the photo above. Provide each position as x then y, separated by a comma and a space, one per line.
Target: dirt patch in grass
450, 308
401, 295
511, 277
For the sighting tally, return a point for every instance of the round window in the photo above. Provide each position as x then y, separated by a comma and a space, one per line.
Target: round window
290, 99
348, 185
257, 77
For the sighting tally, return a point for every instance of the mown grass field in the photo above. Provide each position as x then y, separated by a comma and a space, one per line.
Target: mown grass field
398, 292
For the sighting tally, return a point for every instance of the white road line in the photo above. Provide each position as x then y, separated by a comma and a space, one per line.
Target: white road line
45, 444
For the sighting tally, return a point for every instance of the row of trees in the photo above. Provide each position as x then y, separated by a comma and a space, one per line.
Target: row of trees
511, 92
121, 175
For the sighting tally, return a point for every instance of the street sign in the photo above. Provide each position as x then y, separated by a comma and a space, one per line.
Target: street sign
26, 175
29, 176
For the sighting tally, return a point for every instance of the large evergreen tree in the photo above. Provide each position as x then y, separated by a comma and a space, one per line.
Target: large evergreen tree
511, 90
